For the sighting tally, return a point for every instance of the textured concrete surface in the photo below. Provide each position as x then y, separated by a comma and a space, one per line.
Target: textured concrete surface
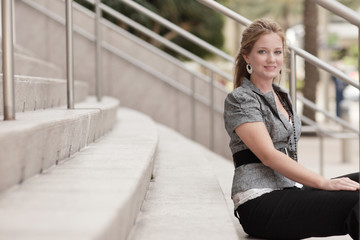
37, 140
184, 200
94, 194
26, 65
36, 93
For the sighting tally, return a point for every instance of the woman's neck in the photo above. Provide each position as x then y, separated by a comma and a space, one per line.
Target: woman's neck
264, 86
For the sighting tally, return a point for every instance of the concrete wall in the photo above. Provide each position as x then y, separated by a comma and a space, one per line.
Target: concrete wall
134, 87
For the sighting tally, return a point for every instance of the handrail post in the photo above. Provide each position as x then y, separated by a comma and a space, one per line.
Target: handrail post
359, 95
98, 55
193, 110
8, 60
69, 55
292, 82
212, 111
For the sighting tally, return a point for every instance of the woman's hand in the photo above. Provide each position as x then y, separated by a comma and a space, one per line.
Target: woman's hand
338, 184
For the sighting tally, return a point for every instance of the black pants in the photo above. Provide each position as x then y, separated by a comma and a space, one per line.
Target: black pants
301, 213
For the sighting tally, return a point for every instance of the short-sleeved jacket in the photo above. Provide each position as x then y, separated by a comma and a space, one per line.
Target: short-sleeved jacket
248, 104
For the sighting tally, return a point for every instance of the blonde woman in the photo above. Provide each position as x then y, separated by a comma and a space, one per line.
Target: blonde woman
274, 196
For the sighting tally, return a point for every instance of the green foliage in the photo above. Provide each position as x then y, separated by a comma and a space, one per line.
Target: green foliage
351, 56
188, 14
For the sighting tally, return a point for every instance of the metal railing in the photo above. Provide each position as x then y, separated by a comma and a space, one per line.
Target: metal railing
179, 50
195, 75
98, 53
213, 70
294, 51
69, 54
8, 59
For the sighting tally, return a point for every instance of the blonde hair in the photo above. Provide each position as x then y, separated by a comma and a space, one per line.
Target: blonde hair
249, 37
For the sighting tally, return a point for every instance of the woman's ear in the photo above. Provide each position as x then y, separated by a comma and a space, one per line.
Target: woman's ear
246, 58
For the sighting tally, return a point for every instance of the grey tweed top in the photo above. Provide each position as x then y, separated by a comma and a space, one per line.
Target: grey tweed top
248, 104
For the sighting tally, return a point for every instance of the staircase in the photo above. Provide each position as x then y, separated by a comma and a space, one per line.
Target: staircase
106, 170
84, 173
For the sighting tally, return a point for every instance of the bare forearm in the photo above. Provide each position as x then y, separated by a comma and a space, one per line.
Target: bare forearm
293, 170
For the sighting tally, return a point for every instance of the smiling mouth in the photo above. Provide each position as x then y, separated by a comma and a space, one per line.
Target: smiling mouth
270, 68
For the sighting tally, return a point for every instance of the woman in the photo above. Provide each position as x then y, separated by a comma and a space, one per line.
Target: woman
268, 193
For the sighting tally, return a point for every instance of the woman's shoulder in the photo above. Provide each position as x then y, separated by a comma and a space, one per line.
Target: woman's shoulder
241, 93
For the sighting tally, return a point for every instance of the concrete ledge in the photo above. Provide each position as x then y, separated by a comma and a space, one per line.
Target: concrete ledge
185, 200
36, 93
95, 194
35, 141
31, 66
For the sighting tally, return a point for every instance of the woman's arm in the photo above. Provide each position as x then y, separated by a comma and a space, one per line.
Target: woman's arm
257, 139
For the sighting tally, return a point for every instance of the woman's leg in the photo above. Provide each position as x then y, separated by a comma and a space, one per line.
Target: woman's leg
352, 176
296, 214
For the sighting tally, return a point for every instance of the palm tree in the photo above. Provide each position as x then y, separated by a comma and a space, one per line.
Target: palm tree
311, 46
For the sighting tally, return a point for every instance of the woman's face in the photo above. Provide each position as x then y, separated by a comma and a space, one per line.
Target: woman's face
266, 57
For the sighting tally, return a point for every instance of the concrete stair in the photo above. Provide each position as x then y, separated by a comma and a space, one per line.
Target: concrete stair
99, 171
95, 194
39, 93
185, 200
25, 64
99, 192
37, 140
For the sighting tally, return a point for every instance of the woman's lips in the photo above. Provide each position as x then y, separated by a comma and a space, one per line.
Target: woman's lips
270, 68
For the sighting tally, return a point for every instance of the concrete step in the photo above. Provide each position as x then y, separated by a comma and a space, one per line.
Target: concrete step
36, 141
184, 200
25, 65
94, 194
36, 93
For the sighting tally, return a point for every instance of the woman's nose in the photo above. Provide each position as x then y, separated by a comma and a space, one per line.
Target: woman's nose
271, 57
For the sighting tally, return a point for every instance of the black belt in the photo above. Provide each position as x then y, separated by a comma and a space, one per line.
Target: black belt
247, 156
244, 157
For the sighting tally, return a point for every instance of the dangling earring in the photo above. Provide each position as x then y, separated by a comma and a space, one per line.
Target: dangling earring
249, 68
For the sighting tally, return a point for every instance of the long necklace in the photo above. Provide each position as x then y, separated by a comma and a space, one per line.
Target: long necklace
291, 116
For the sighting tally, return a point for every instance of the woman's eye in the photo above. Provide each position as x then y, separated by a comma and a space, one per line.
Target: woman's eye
278, 52
261, 51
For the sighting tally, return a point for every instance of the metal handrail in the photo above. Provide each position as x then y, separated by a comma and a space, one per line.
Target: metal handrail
91, 37
165, 41
174, 84
226, 11
324, 65
179, 30
244, 21
176, 28
8, 60
69, 55
327, 114
339, 9
98, 52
